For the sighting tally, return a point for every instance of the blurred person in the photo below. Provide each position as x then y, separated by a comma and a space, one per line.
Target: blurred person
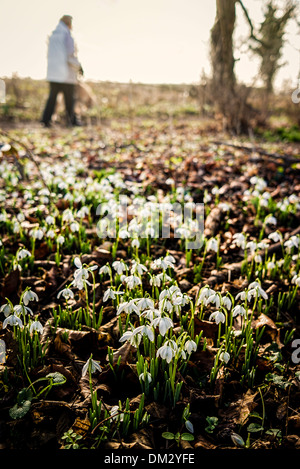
63, 69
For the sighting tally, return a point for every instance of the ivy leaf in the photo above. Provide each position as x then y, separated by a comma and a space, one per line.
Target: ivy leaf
187, 437
168, 435
276, 432
23, 404
278, 380
254, 427
24, 395
256, 415
57, 378
17, 412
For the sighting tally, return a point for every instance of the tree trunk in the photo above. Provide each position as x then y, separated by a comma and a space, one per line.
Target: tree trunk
222, 46
230, 100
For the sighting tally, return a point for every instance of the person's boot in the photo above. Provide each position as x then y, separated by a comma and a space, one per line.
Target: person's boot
46, 124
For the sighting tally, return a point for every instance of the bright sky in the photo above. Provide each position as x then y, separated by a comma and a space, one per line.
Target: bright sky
149, 41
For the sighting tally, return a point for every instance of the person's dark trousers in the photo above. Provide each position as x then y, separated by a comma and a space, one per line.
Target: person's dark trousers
68, 91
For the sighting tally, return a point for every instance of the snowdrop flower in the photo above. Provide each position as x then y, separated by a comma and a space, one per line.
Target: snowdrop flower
123, 234
145, 330
255, 290
283, 205
119, 267
156, 280
38, 233
183, 232
293, 199
135, 243
84, 211
180, 300
292, 242
132, 281
263, 202
50, 220
205, 293
128, 307
270, 220
29, 296
226, 301
224, 357
240, 240
60, 239
263, 245
62, 185
251, 246
145, 303
3, 352
151, 314
133, 337
259, 183
66, 293
95, 366
169, 292
271, 265
74, 227
165, 263
167, 351
67, 216
189, 426
16, 227
165, 305
144, 376
50, 234
138, 268
212, 245
22, 254
111, 294
218, 317
36, 326
296, 280
20, 217
19, 309
190, 346
206, 198
266, 195
114, 412
224, 206
163, 323
258, 259
81, 274
238, 310
12, 320
105, 269
275, 236
6, 309
215, 299
241, 296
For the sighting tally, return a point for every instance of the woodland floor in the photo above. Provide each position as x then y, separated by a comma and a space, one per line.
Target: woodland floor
253, 399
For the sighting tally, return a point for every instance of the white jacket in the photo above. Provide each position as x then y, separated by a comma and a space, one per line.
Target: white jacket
63, 65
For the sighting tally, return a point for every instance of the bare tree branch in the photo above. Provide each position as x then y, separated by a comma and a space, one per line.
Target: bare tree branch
252, 35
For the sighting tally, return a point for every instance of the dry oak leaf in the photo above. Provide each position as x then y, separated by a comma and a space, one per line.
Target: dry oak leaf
124, 352
270, 328
239, 410
203, 443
